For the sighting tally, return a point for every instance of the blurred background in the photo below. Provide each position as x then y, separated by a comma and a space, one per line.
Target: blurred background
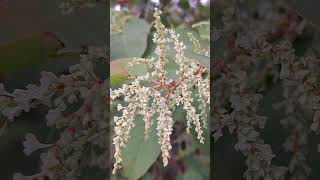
229, 164
24, 22
176, 12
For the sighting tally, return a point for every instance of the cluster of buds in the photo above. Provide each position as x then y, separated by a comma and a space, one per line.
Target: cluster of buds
164, 94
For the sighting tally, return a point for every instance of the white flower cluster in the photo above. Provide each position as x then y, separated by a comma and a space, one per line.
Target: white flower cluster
262, 46
252, 54
301, 97
243, 121
78, 104
163, 96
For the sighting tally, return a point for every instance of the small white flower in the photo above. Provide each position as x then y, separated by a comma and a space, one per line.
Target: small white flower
32, 144
72, 98
117, 7
53, 116
119, 107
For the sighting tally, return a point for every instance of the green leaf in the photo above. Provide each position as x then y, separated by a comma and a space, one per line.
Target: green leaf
122, 66
140, 153
199, 164
26, 52
147, 176
203, 28
132, 41
117, 79
120, 71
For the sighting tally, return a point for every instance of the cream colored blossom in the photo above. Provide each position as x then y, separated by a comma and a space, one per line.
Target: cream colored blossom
159, 100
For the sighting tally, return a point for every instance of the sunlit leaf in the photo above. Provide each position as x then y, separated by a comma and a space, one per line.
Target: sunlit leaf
120, 71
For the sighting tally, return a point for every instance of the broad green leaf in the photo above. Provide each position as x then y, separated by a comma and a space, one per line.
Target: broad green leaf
28, 51
132, 41
199, 165
117, 79
120, 71
203, 28
147, 176
140, 153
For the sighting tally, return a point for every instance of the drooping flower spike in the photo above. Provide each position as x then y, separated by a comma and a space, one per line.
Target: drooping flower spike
165, 95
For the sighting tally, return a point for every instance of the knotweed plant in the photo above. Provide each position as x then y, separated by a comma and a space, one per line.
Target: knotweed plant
155, 95
262, 52
77, 104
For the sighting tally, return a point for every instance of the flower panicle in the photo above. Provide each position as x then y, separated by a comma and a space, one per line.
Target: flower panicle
158, 100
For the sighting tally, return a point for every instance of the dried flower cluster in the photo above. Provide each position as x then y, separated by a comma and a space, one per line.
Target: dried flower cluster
77, 105
163, 96
259, 47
